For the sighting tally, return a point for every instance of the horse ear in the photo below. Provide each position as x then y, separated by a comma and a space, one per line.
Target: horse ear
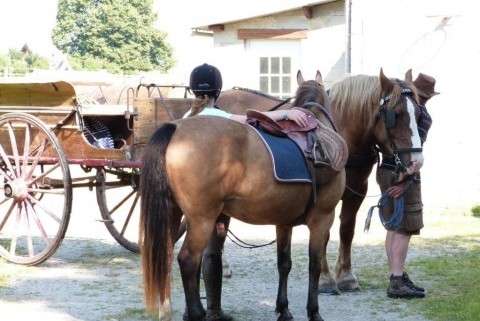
318, 78
300, 79
385, 83
408, 76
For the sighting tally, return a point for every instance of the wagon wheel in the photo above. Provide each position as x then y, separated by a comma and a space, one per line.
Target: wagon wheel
119, 205
36, 201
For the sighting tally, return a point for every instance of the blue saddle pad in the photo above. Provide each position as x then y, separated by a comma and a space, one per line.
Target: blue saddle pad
289, 164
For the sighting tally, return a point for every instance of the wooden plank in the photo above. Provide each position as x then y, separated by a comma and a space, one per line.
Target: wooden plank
152, 113
58, 93
272, 34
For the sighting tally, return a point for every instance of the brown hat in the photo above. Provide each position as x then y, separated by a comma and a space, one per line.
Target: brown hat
425, 86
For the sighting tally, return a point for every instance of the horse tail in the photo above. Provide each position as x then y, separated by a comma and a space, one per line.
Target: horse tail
156, 247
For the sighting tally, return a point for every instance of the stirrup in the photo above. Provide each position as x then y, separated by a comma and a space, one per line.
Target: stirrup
319, 161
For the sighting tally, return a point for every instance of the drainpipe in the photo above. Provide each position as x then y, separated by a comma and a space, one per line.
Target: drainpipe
348, 37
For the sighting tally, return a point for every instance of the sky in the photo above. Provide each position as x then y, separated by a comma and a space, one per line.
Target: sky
31, 21
27, 21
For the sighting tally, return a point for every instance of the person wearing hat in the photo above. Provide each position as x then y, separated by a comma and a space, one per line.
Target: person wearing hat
409, 188
206, 84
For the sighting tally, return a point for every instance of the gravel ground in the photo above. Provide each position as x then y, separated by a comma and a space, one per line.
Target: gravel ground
92, 278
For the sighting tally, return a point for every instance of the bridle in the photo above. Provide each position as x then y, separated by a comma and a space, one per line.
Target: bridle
388, 115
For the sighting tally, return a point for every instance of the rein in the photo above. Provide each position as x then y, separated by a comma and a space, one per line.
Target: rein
235, 240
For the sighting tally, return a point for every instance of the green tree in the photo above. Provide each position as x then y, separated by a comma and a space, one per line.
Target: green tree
118, 34
22, 61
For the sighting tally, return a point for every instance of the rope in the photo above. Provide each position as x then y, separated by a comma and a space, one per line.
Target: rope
243, 244
360, 194
386, 201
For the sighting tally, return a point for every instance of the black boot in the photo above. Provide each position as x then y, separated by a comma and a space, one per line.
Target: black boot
399, 290
410, 284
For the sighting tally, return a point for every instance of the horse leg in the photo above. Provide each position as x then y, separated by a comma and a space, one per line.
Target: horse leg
284, 265
189, 259
357, 179
212, 270
327, 284
319, 237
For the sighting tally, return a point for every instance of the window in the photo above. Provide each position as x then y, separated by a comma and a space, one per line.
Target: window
275, 76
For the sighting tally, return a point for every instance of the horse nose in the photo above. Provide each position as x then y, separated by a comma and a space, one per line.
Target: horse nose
415, 164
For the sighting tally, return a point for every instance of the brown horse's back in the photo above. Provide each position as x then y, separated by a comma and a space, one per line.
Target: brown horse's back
242, 184
238, 100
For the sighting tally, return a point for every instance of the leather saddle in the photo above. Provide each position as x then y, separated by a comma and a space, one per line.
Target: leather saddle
323, 146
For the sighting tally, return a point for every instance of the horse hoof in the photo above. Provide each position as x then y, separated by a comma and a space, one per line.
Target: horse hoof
217, 316
329, 290
348, 283
315, 317
285, 316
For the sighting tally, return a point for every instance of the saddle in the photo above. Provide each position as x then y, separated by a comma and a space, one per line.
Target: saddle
320, 144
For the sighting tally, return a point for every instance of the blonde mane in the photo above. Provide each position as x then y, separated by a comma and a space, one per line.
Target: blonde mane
358, 97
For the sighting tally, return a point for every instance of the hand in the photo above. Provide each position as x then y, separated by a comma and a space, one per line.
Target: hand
297, 116
399, 188
396, 191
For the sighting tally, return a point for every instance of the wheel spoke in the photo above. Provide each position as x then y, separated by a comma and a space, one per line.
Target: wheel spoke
39, 224
26, 149
28, 232
37, 178
6, 160
40, 150
13, 143
127, 220
13, 246
126, 198
47, 211
5, 174
7, 215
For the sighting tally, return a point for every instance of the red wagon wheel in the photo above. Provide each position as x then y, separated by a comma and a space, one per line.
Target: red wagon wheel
36, 201
119, 205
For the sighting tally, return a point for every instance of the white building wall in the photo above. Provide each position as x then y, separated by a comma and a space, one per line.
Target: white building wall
323, 49
400, 34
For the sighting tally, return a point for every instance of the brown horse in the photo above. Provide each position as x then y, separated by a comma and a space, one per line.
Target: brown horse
358, 113
235, 100
226, 169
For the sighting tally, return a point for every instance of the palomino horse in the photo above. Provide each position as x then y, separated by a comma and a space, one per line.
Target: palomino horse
360, 117
204, 166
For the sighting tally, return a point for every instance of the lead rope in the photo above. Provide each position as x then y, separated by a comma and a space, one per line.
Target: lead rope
385, 201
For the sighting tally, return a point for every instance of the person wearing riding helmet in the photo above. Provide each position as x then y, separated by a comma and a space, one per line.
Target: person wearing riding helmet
398, 185
206, 84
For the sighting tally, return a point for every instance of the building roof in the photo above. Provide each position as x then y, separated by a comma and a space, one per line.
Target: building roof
248, 9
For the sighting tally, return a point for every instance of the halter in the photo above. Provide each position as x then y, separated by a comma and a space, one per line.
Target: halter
389, 120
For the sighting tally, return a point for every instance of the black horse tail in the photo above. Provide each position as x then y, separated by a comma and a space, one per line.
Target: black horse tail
155, 243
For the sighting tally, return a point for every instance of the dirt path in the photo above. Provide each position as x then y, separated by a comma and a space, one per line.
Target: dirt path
95, 279
92, 278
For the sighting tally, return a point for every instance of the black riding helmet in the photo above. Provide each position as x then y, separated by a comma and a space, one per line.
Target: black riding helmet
206, 80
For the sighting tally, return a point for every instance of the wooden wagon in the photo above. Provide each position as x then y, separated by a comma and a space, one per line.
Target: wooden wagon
45, 129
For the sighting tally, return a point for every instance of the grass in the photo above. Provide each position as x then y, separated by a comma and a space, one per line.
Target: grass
450, 275
133, 314
454, 294
3, 278
476, 211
